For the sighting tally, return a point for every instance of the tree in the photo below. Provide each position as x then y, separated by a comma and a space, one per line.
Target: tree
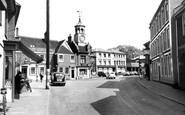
129, 50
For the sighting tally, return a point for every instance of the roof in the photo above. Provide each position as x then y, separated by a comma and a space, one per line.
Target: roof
179, 8
37, 42
80, 23
62, 49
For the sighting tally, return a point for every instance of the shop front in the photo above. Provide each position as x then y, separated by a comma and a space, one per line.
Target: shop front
11, 67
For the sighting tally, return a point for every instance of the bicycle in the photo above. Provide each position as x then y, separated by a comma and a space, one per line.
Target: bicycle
26, 83
4, 92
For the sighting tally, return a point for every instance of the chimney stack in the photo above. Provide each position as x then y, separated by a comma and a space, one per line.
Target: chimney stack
17, 33
69, 39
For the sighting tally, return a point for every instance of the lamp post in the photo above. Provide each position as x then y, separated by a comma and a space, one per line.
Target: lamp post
47, 43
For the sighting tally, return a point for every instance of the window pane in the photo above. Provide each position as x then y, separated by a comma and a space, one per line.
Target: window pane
32, 70
67, 70
61, 69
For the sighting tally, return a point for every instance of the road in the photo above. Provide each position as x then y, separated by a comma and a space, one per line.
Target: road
122, 96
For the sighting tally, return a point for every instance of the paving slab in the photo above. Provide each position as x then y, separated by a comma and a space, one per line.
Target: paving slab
163, 90
31, 103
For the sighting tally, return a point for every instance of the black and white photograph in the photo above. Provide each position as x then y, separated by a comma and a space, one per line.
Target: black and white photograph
92, 57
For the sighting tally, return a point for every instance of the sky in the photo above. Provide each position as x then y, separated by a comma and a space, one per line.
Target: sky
108, 23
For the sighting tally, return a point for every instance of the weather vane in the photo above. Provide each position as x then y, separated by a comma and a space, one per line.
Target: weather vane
79, 12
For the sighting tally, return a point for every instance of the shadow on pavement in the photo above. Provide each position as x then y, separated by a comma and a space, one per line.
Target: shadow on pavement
110, 105
131, 98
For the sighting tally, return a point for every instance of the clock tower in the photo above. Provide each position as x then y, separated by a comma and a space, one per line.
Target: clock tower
79, 36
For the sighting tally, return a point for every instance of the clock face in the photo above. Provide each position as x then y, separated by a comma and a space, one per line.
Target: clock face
82, 38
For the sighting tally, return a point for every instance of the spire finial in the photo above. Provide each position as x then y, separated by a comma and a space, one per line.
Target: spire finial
80, 22
79, 12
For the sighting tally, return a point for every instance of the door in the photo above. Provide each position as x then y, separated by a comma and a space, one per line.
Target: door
72, 73
24, 71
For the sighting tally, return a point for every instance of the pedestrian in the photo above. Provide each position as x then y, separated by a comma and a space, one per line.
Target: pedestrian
36, 78
41, 77
18, 87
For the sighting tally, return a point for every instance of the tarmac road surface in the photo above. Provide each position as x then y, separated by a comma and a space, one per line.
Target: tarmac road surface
121, 96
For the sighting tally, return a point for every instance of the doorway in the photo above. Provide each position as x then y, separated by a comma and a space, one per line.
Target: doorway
24, 71
181, 71
72, 73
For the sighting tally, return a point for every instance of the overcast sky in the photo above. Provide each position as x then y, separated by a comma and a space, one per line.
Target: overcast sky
109, 23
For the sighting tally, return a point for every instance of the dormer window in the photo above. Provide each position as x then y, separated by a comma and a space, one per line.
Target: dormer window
32, 46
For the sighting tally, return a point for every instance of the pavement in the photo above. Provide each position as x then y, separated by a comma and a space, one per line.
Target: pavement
164, 90
37, 101
31, 103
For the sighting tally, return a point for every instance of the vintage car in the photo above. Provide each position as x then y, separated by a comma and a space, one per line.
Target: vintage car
58, 78
111, 75
101, 74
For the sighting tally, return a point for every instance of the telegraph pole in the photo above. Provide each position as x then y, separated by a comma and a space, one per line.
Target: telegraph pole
47, 43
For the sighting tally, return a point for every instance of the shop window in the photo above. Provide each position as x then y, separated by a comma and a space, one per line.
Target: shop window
32, 71
83, 71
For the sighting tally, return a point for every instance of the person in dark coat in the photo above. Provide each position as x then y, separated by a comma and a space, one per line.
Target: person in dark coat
18, 78
41, 77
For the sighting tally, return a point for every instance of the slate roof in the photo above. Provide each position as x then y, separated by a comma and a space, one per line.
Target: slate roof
64, 50
37, 42
61, 49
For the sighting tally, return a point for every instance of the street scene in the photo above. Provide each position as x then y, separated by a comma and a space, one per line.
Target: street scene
128, 95
92, 58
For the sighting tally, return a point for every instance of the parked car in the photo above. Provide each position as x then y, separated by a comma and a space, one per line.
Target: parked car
134, 73
126, 73
111, 76
101, 74
58, 78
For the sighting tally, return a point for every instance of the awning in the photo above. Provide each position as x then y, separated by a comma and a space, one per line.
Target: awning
3, 5
18, 45
30, 53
